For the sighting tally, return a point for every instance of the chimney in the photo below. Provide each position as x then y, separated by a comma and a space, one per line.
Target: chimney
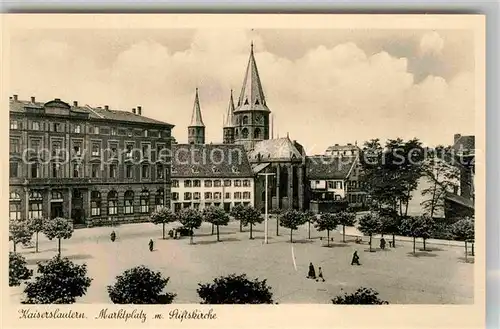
349, 144
106, 107
57, 99
336, 144
32, 99
456, 137
133, 110
75, 103
15, 97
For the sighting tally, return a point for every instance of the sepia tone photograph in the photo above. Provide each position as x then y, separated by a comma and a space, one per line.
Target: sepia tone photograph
250, 164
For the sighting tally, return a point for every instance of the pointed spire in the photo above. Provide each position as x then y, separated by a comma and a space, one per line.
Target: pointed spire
252, 94
196, 119
230, 113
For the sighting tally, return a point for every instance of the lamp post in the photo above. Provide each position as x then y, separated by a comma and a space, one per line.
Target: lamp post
266, 215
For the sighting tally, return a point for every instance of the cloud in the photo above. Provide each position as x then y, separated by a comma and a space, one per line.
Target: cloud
330, 94
431, 44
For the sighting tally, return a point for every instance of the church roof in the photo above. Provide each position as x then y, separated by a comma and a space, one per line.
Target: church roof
276, 149
210, 161
196, 119
328, 167
252, 95
228, 123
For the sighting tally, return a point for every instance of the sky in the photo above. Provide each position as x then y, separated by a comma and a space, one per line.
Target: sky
324, 87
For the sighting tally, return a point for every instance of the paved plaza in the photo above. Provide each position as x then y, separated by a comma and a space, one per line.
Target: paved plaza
439, 276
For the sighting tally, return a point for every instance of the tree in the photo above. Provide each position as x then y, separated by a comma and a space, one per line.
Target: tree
415, 227
369, 224
36, 225
292, 219
362, 296
389, 223
463, 230
190, 219
238, 213
327, 221
217, 216
163, 216
140, 285
59, 228
60, 282
346, 218
426, 228
19, 232
251, 216
310, 218
18, 271
235, 289
391, 174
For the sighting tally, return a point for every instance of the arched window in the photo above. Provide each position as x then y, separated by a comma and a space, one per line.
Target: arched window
256, 133
244, 133
35, 205
245, 120
129, 202
159, 199
95, 203
112, 203
14, 206
144, 202
236, 134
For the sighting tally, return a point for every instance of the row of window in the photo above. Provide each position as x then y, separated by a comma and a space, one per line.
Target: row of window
212, 196
96, 170
35, 202
78, 128
96, 148
214, 183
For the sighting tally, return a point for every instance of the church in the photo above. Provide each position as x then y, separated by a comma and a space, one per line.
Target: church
247, 126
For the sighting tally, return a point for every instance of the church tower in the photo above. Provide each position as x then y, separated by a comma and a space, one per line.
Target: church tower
251, 116
196, 130
228, 130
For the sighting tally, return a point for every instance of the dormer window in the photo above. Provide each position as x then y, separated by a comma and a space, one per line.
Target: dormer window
246, 101
257, 102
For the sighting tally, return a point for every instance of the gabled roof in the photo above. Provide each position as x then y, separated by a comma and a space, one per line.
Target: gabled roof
459, 200
21, 106
229, 122
276, 149
465, 145
196, 119
210, 161
328, 167
252, 95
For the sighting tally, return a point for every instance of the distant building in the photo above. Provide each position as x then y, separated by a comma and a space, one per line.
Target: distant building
462, 204
90, 164
211, 174
343, 150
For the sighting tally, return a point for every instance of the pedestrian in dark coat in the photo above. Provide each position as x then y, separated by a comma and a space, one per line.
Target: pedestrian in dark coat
312, 273
151, 245
320, 275
382, 243
355, 259
112, 236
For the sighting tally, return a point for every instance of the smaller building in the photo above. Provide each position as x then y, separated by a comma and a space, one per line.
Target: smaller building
211, 174
328, 181
343, 150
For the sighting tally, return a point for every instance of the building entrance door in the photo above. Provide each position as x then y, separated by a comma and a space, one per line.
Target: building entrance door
56, 209
77, 212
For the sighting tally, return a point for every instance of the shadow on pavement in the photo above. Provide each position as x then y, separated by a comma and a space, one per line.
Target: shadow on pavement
302, 241
215, 234
335, 245
35, 261
469, 260
421, 254
215, 241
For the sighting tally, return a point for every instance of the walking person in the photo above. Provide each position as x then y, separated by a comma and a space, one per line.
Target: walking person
355, 259
382, 243
112, 236
151, 244
320, 275
312, 273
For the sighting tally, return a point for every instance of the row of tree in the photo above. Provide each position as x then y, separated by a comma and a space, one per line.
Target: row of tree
21, 231
413, 226
61, 281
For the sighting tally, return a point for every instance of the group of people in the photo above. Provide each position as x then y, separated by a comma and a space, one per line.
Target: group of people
312, 273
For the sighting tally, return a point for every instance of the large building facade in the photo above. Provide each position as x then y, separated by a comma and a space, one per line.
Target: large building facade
90, 164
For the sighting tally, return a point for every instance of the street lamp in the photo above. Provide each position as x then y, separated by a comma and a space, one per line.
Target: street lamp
266, 216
